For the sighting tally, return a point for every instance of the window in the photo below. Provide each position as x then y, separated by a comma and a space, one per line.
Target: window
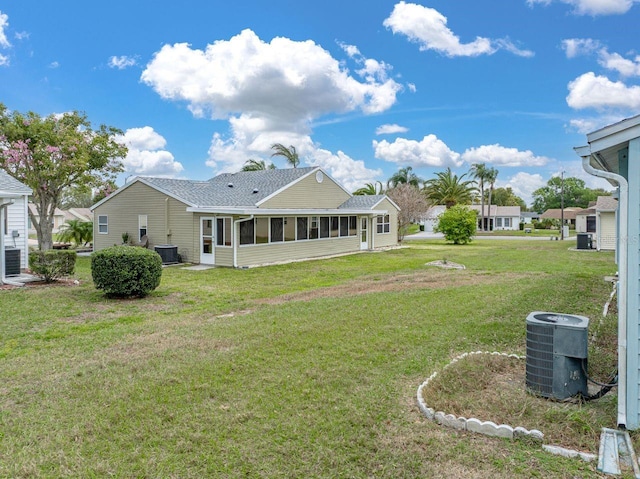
103, 224
142, 226
324, 227
591, 224
290, 228
344, 226
334, 226
507, 222
383, 224
313, 228
247, 232
499, 223
262, 230
277, 230
353, 226
223, 231
302, 232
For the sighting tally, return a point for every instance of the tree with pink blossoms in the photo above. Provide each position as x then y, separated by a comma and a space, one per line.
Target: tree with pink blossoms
54, 153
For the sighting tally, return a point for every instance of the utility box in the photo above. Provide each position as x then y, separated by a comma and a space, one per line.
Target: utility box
11, 261
557, 349
584, 241
168, 253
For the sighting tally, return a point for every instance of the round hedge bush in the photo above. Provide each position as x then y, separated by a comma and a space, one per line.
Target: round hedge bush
123, 271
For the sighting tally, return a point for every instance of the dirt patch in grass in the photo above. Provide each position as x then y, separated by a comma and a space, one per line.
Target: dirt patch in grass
492, 388
428, 279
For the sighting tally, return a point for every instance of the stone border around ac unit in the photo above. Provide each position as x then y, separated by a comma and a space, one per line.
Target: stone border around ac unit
490, 428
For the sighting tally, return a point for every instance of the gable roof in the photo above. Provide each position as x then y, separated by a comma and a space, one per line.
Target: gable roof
9, 186
556, 213
361, 202
606, 203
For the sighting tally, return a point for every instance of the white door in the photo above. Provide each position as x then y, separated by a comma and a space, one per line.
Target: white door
206, 241
364, 233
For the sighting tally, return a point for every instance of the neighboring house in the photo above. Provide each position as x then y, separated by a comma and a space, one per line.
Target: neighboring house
14, 197
59, 218
606, 223
586, 219
556, 214
430, 220
80, 214
613, 153
498, 218
247, 218
528, 217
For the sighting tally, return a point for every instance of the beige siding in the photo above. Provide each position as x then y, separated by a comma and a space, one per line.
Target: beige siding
224, 256
167, 219
390, 238
607, 232
251, 255
308, 193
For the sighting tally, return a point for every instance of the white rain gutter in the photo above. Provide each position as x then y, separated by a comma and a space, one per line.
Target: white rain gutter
623, 247
3, 279
236, 234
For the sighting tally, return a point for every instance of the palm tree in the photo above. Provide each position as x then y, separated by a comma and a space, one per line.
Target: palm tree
404, 176
290, 154
370, 189
449, 189
479, 172
257, 165
492, 175
80, 232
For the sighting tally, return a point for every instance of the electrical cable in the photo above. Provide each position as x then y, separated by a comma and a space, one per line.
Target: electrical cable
605, 387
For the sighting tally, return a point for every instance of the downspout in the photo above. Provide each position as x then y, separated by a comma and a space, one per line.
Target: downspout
623, 247
236, 234
3, 279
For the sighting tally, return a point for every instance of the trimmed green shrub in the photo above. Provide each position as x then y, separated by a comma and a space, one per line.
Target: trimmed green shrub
458, 224
52, 264
123, 271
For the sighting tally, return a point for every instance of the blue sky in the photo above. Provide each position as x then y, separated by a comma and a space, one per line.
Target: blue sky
361, 88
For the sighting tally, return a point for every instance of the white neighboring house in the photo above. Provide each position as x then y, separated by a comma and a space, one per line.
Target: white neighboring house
430, 220
14, 197
499, 218
606, 223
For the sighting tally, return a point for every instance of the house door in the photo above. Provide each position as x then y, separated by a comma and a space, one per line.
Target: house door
206, 241
364, 233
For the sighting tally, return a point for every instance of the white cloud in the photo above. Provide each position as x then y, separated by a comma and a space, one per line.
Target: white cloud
22, 35
591, 91
121, 62
574, 47
54, 65
4, 60
593, 7
146, 154
431, 151
588, 125
502, 156
4, 23
352, 174
523, 185
389, 129
428, 27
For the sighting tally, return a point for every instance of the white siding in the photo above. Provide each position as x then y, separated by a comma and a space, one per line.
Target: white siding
607, 231
17, 221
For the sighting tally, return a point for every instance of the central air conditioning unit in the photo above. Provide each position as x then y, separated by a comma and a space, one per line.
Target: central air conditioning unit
556, 355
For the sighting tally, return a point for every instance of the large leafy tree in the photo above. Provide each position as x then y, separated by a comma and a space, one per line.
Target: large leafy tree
573, 191
479, 171
506, 197
449, 189
55, 153
290, 154
257, 165
404, 176
370, 189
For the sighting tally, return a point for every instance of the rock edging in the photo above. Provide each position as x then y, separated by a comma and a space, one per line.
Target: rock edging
490, 428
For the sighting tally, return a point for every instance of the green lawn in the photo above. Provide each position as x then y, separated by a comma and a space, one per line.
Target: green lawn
300, 370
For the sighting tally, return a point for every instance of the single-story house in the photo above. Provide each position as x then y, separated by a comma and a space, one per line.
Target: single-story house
613, 153
528, 217
498, 218
600, 221
247, 218
430, 220
14, 197
557, 214
59, 219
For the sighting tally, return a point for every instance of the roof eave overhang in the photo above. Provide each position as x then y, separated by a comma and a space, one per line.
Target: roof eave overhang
284, 211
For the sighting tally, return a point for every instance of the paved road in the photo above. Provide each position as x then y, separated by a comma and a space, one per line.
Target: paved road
425, 235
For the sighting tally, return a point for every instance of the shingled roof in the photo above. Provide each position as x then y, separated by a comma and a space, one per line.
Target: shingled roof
9, 186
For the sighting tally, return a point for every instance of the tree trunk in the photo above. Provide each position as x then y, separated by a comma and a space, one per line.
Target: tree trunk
44, 224
482, 207
489, 209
